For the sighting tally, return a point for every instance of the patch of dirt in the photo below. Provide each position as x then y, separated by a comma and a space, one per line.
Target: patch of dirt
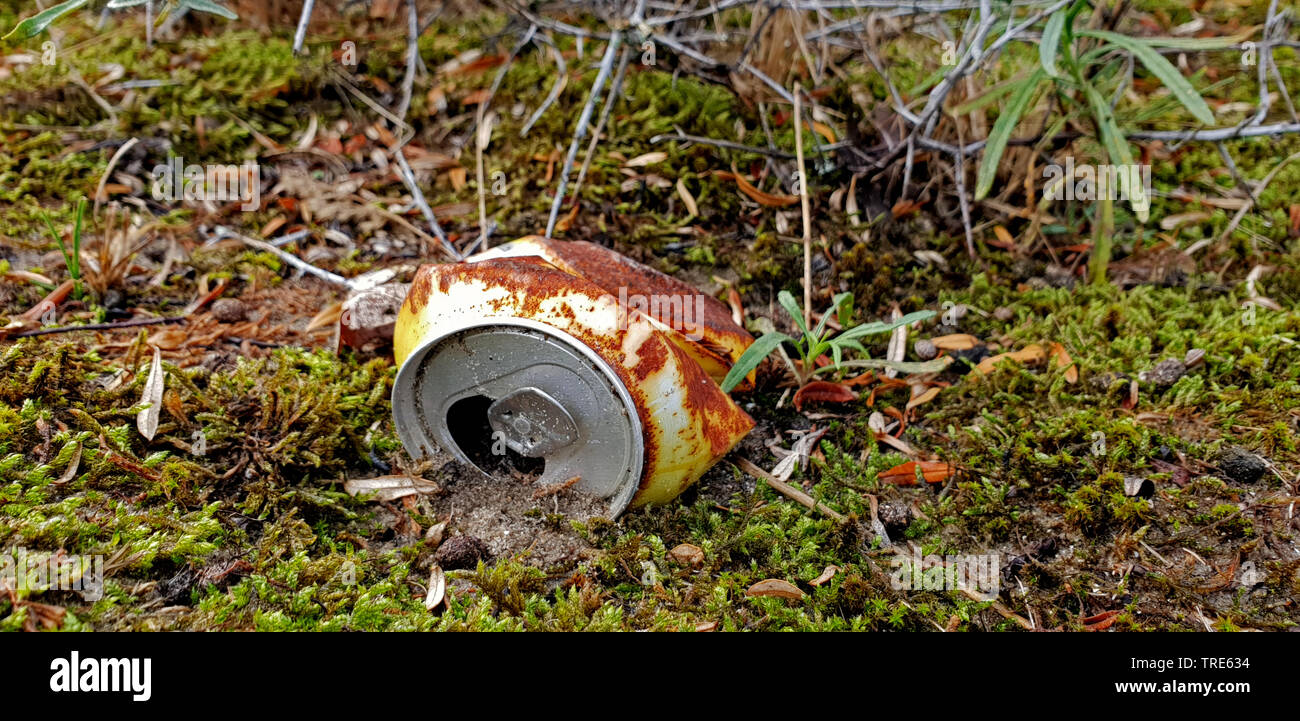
516, 516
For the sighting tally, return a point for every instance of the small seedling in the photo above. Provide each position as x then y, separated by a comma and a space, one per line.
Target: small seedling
73, 259
813, 343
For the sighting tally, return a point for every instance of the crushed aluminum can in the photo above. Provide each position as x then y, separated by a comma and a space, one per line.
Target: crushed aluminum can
542, 349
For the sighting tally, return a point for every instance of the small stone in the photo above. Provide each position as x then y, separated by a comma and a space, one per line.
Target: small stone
687, 555
1107, 381
229, 310
460, 552
1241, 466
925, 350
370, 316
895, 516
1166, 373
1139, 487
1003, 313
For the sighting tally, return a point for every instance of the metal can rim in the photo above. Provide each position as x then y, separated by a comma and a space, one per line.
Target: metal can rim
410, 429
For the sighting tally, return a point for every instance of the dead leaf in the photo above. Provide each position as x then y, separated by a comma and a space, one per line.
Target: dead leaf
774, 587
823, 130
904, 474
687, 199
169, 339
1130, 402
1100, 622
1029, 355
706, 627
437, 589
642, 161
823, 392
827, 574
567, 220
1063, 360
433, 537
73, 464
955, 341
1004, 235
924, 397
389, 488
769, 200
458, 178
147, 420
328, 316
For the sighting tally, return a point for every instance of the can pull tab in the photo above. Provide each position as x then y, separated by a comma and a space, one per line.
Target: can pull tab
533, 423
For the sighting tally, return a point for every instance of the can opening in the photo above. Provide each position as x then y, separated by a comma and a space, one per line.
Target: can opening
467, 419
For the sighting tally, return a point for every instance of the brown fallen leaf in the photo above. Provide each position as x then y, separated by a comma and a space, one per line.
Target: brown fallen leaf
1099, 622
827, 575
769, 200
923, 397
904, 474
567, 220
169, 339
1063, 360
774, 587
706, 627
823, 392
823, 130
1003, 235
955, 341
1029, 355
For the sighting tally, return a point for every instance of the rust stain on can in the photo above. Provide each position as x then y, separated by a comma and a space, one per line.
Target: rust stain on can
687, 422
708, 335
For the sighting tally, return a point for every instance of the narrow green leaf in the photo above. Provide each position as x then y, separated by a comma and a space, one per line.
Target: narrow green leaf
208, 6
37, 23
753, 355
989, 97
1119, 153
1199, 43
836, 309
791, 306
1051, 41
1162, 69
879, 327
1001, 133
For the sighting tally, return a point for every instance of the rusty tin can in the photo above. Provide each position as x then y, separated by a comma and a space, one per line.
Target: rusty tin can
542, 349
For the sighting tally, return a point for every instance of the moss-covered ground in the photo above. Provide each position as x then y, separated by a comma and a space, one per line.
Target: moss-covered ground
234, 517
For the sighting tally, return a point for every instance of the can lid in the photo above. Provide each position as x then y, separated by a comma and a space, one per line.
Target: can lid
512, 389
